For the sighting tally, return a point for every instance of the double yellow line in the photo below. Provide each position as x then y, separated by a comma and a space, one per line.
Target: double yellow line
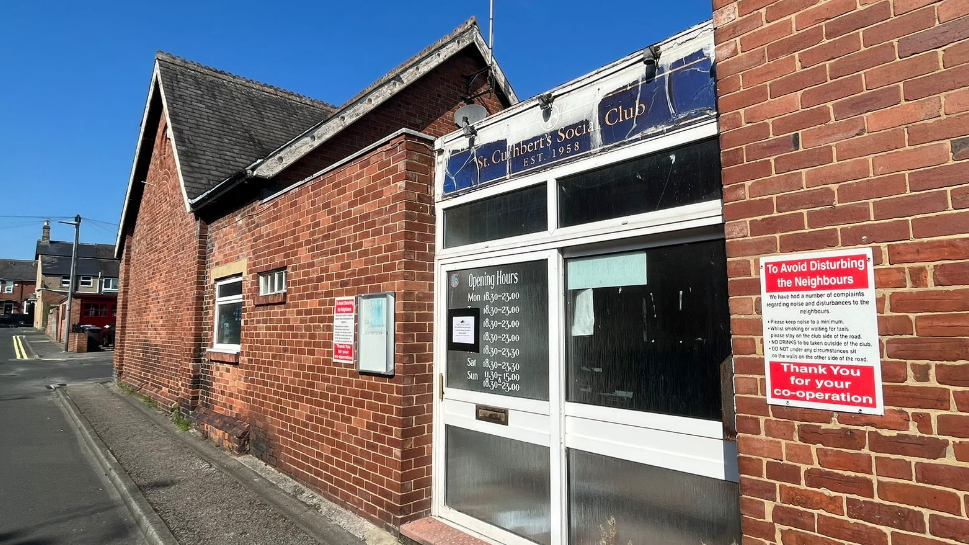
18, 347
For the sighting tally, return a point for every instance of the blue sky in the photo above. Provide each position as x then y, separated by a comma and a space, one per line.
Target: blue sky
74, 75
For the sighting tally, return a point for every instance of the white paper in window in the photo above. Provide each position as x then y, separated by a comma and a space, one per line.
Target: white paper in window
462, 328
606, 271
584, 318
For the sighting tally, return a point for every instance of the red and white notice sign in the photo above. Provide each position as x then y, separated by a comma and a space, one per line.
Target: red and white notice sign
344, 313
821, 331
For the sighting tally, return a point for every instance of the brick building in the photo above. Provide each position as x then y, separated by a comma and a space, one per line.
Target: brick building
842, 125
838, 126
249, 210
95, 296
579, 325
17, 282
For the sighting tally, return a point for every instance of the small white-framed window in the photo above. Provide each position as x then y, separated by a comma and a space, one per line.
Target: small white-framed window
8, 287
228, 313
109, 284
65, 281
87, 281
272, 282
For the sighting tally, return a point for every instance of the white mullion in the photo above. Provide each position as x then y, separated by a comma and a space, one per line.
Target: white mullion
557, 464
438, 465
533, 406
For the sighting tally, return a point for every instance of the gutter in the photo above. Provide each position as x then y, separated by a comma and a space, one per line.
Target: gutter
224, 187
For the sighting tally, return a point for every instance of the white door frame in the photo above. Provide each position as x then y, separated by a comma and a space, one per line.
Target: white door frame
684, 444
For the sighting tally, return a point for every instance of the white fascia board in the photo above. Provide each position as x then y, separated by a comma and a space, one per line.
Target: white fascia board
134, 162
702, 31
297, 148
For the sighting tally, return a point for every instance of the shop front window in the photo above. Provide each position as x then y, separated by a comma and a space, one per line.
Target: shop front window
676, 177
510, 214
648, 330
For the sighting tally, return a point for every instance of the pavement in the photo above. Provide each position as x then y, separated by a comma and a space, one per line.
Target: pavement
158, 484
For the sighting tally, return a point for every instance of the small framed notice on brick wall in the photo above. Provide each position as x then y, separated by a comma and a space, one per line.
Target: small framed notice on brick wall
821, 331
375, 334
344, 313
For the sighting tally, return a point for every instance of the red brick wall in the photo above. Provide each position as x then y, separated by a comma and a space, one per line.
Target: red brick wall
160, 313
842, 125
365, 227
223, 387
427, 106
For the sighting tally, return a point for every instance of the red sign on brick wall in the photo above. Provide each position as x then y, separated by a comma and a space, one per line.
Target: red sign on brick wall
821, 331
344, 312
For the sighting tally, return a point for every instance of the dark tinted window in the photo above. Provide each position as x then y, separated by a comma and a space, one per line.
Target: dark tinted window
506, 215
674, 177
648, 330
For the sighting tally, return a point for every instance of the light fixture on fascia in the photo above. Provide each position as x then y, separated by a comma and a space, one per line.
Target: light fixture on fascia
650, 56
545, 101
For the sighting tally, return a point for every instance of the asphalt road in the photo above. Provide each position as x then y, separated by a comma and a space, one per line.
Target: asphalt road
51, 490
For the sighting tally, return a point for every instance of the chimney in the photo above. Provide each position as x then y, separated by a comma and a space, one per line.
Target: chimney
46, 236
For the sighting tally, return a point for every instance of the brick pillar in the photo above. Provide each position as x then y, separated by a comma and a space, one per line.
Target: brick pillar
843, 125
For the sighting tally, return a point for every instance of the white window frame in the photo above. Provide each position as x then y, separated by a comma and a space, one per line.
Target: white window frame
8, 287
219, 301
106, 280
65, 281
272, 282
679, 443
85, 281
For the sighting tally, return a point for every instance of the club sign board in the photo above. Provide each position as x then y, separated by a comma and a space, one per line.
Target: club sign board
821, 331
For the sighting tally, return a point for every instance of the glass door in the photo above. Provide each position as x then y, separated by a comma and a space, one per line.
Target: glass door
583, 396
647, 351
498, 389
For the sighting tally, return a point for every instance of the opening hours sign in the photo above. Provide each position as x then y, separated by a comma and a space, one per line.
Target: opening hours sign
821, 331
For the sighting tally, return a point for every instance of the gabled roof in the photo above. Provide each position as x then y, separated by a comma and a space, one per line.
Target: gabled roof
18, 269
221, 123
227, 128
65, 249
382, 90
60, 265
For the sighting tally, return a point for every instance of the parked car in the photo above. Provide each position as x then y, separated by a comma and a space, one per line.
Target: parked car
13, 320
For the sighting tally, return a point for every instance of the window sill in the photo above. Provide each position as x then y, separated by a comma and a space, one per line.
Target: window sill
274, 299
223, 355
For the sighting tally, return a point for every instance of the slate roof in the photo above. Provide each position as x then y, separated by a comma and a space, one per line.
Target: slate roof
56, 247
59, 265
222, 122
18, 269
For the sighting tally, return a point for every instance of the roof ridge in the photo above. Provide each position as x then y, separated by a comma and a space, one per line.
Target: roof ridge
79, 242
251, 83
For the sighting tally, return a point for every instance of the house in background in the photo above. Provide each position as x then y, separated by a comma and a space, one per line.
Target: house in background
17, 282
95, 285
